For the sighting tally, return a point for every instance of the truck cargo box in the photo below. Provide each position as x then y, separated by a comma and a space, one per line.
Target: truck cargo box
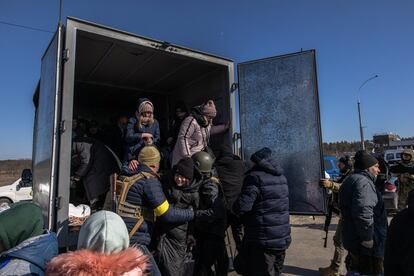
96, 72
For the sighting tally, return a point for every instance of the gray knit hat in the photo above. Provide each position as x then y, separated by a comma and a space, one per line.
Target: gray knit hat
145, 105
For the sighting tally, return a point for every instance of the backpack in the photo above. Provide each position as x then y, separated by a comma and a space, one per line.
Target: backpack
128, 210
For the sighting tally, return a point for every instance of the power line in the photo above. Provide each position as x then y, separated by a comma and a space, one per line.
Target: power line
25, 27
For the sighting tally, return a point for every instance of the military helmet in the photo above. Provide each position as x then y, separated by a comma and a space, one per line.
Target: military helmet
408, 152
203, 161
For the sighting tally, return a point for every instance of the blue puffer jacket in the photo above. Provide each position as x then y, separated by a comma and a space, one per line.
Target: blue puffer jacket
363, 214
264, 206
134, 139
29, 257
148, 193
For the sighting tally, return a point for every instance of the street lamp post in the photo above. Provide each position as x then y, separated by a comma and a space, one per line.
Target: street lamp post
361, 129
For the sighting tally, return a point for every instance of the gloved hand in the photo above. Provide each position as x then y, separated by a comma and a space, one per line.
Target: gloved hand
327, 183
368, 244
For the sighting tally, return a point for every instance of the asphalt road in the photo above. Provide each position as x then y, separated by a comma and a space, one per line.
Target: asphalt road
306, 252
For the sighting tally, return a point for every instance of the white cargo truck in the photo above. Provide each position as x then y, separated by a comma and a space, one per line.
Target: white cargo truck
95, 72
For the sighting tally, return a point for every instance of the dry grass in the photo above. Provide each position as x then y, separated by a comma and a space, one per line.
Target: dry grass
10, 170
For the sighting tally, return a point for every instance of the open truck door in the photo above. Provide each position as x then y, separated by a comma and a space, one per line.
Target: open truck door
279, 109
46, 129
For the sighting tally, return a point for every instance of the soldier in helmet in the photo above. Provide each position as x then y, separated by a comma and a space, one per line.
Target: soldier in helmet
405, 172
210, 224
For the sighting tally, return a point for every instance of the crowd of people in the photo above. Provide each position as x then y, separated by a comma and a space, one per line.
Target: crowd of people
174, 207
373, 247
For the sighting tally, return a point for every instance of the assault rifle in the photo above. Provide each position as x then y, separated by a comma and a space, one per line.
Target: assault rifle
328, 218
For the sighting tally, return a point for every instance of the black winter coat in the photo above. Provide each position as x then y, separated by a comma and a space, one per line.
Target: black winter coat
114, 138
363, 214
148, 193
264, 206
230, 170
172, 237
93, 163
211, 215
399, 249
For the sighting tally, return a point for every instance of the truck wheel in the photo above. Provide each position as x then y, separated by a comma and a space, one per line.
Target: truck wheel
5, 202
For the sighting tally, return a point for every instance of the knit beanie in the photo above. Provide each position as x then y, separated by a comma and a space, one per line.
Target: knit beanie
145, 105
104, 232
264, 153
364, 160
19, 222
149, 155
209, 109
185, 167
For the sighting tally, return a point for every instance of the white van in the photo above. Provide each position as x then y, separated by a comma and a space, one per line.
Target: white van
392, 156
19, 190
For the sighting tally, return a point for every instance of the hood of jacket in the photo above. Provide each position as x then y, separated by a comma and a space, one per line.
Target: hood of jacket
130, 261
197, 113
104, 232
37, 250
268, 165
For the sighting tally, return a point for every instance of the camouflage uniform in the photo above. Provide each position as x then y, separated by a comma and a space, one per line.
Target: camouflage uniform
336, 261
405, 172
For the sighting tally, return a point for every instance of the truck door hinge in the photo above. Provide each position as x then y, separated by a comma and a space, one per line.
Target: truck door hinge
62, 126
58, 202
234, 87
65, 55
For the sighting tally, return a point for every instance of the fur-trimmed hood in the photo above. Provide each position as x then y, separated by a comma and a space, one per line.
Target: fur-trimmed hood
128, 262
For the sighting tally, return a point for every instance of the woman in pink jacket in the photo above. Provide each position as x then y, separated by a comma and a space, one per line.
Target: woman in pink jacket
195, 131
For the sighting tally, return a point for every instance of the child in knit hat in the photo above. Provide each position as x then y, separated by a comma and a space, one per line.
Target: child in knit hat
182, 191
142, 130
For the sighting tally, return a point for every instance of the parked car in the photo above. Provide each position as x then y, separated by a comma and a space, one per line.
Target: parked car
392, 156
331, 166
19, 190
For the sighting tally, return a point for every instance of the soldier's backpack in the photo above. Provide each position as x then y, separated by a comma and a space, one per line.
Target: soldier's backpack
128, 210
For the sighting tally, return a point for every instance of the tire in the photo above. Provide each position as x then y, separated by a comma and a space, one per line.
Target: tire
5, 202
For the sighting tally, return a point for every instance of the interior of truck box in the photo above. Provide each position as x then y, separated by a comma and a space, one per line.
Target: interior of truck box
111, 75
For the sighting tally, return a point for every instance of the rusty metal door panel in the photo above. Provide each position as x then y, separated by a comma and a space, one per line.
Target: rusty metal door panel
279, 109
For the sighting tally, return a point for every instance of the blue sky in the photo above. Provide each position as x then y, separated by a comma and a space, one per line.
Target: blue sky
354, 40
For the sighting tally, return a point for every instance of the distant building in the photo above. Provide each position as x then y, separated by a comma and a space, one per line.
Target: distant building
383, 140
409, 143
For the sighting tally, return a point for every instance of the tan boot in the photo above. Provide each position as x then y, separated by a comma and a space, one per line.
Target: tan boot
328, 271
